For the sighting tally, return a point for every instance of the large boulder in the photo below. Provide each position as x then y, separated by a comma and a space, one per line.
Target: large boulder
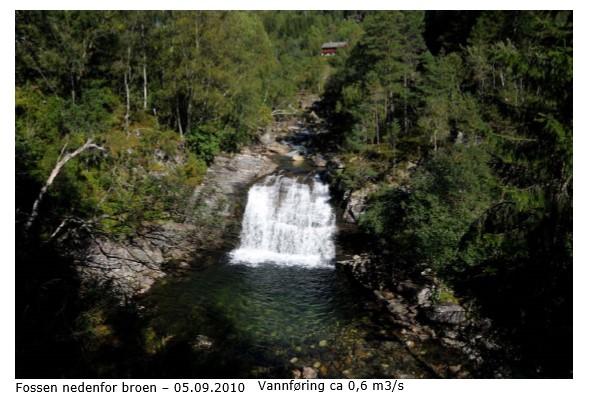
446, 313
226, 182
356, 203
424, 297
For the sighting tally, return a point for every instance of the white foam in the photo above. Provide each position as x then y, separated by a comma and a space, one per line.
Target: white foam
287, 222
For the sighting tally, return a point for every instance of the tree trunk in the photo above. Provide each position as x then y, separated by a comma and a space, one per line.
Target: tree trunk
405, 107
73, 89
145, 84
61, 162
145, 71
179, 120
197, 35
376, 124
127, 91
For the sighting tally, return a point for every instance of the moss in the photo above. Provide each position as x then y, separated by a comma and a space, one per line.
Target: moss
446, 295
94, 330
153, 342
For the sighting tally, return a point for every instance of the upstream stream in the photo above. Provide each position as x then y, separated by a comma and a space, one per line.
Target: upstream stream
275, 306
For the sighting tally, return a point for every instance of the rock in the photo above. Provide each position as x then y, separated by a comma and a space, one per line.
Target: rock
317, 364
296, 156
410, 343
447, 313
490, 345
455, 368
463, 374
323, 343
202, 342
356, 203
225, 184
130, 268
319, 161
215, 206
361, 268
397, 308
388, 295
314, 117
336, 163
459, 139
309, 373
452, 343
424, 297
278, 148
293, 360
451, 334
268, 137
296, 373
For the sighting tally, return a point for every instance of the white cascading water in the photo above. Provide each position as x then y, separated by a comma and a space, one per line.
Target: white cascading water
287, 222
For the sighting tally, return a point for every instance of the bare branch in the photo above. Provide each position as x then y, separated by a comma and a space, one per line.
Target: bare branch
61, 162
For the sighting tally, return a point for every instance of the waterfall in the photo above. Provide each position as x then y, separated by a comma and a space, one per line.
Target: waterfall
287, 222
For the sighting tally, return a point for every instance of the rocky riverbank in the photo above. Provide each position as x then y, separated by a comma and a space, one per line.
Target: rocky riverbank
130, 267
449, 337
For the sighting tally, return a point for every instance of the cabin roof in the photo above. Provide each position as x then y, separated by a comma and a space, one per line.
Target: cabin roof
334, 44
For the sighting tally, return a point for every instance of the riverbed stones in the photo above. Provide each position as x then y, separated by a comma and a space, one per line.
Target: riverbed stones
309, 373
323, 343
278, 148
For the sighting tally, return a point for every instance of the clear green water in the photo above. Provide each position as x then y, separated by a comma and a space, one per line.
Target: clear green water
269, 320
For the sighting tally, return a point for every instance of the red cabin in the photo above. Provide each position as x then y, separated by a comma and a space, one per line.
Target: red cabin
330, 48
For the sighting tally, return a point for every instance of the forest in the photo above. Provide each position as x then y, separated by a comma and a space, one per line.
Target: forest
457, 127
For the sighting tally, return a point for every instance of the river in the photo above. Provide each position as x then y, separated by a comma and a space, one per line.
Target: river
275, 304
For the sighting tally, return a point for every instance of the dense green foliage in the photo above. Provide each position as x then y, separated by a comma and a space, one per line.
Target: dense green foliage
160, 92
469, 150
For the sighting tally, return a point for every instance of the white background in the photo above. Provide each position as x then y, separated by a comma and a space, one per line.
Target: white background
589, 385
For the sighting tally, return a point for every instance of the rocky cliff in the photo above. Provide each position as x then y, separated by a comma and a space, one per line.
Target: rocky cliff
131, 267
